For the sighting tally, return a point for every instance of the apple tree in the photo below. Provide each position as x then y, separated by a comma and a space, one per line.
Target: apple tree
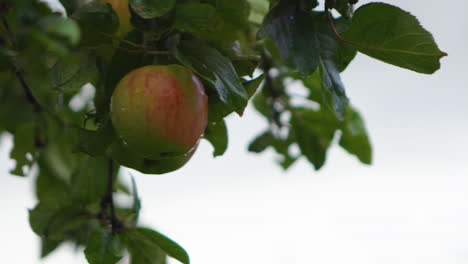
138, 83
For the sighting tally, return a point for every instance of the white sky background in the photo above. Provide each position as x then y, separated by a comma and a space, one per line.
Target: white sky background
410, 206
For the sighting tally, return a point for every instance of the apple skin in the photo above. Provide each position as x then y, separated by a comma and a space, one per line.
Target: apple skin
160, 111
122, 10
125, 156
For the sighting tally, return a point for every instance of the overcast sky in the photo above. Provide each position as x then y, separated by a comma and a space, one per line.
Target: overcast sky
410, 206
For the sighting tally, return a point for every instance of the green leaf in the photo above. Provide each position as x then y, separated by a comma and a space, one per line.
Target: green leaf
48, 246
354, 138
23, 145
331, 82
394, 36
89, 180
252, 85
258, 10
95, 143
344, 8
54, 223
306, 42
314, 133
136, 207
218, 110
262, 104
98, 22
314, 85
217, 134
261, 142
62, 28
70, 5
292, 30
235, 12
51, 188
147, 246
304, 39
197, 17
70, 76
5, 61
151, 8
102, 248
225, 79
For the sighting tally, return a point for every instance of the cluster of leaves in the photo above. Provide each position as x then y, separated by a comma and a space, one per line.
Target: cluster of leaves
63, 134
312, 48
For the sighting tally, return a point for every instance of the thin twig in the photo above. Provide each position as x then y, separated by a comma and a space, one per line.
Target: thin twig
10, 36
123, 40
27, 89
335, 32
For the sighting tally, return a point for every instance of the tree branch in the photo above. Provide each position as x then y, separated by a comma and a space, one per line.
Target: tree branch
27, 89
107, 201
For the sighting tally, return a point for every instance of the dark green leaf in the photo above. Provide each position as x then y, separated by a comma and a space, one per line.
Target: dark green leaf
261, 142
23, 146
344, 8
136, 207
308, 5
314, 133
287, 161
304, 39
89, 180
98, 22
197, 17
147, 246
262, 104
218, 110
48, 246
5, 62
102, 248
314, 85
354, 138
151, 8
392, 35
234, 12
252, 86
225, 79
70, 5
331, 82
292, 30
95, 143
51, 188
306, 42
217, 134
70, 76
54, 223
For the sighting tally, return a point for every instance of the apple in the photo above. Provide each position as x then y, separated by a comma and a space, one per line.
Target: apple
125, 156
122, 10
160, 111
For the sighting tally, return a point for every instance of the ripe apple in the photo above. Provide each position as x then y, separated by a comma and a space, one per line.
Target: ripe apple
122, 10
125, 156
160, 111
